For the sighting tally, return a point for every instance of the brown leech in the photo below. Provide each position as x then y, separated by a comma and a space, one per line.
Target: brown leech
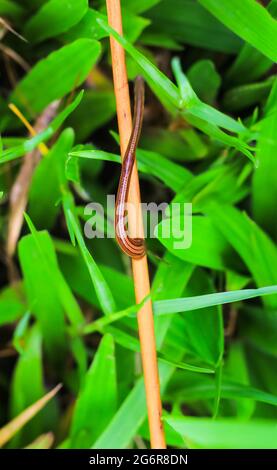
133, 247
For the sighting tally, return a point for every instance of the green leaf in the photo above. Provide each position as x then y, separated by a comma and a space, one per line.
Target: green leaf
139, 7
28, 370
261, 368
166, 307
78, 277
20, 332
102, 104
236, 281
56, 289
223, 183
133, 25
158, 40
236, 368
156, 79
101, 323
43, 205
130, 415
31, 144
265, 176
56, 75
258, 326
63, 115
9, 9
27, 146
188, 22
218, 385
42, 297
172, 174
204, 80
88, 27
185, 366
250, 63
101, 287
207, 248
33, 4
53, 18
205, 433
189, 388
170, 280
245, 96
205, 344
249, 20
11, 305
176, 144
255, 248
97, 401
72, 170
194, 107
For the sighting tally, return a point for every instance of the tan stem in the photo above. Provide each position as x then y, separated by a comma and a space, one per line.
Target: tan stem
139, 266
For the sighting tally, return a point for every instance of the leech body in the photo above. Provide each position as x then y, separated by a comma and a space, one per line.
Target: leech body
133, 247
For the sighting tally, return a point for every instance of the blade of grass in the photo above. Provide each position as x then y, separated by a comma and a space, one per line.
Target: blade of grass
97, 401
30, 144
166, 307
99, 324
172, 174
249, 20
66, 297
103, 291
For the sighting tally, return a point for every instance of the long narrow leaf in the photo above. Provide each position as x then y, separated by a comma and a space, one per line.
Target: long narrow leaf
249, 20
102, 289
165, 307
31, 144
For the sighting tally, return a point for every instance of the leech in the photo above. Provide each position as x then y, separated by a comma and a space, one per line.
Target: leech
133, 247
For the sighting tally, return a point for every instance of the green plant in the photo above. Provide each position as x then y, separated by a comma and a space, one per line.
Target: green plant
67, 307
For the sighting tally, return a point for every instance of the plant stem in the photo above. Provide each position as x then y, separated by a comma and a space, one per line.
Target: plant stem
139, 266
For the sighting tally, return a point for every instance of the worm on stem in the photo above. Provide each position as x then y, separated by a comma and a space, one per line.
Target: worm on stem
133, 247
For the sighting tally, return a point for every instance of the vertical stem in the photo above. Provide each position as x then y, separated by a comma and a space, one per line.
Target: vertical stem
140, 266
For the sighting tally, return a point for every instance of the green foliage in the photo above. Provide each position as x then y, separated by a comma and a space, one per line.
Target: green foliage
263, 201
97, 399
28, 370
11, 305
67, 303
56, 75
224, 434
204, 80
189, 23
30, 144
53, 18
11, 10
40, 300
50, 170
247, 19
250, 64
165, 307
